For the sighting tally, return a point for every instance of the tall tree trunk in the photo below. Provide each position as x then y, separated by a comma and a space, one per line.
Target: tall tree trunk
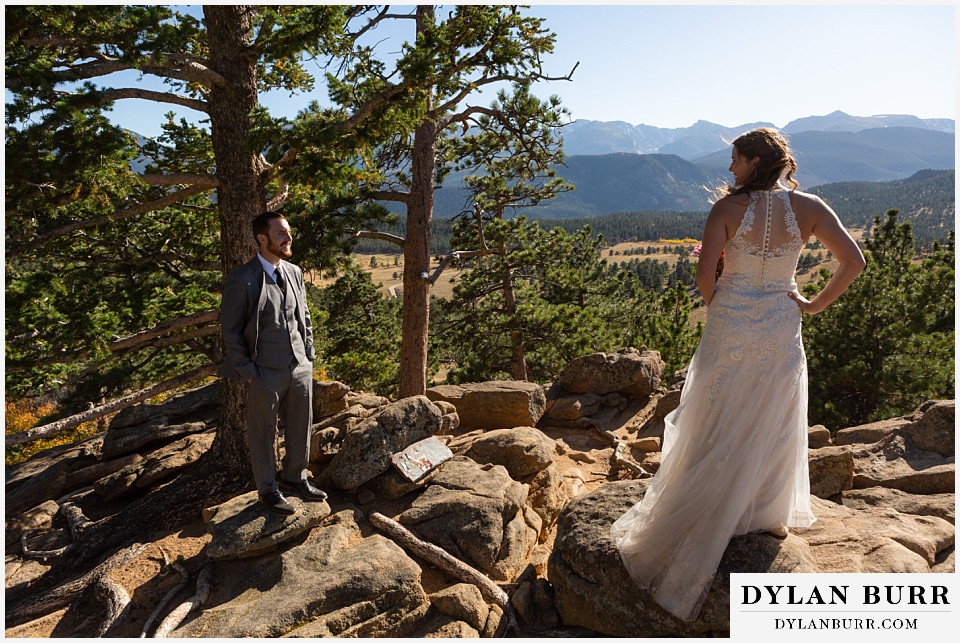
240, 197
518, 353
226, 466
416, 252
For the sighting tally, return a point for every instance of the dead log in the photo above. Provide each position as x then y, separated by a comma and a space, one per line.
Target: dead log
620, 461
442, 560
183, 609
111, 407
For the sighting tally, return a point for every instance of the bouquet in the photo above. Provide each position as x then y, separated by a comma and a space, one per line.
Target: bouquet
696, 253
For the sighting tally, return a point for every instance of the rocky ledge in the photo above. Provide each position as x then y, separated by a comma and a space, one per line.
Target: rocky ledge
508, 535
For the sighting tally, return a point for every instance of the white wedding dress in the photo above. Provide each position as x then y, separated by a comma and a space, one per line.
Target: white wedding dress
734, 453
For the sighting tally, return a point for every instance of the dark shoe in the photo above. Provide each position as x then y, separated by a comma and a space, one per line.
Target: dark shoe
304, 489
277, 504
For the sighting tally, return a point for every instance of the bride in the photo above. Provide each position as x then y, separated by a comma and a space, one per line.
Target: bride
734, 454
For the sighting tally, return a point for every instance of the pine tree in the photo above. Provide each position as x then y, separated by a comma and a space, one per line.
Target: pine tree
357, 332
887, 343
473, 47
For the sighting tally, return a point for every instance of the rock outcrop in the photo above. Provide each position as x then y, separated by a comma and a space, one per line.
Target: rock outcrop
366, 449
493, 405
629, 371
333, 582
527, 499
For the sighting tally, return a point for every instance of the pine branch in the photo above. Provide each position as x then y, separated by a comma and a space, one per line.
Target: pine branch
138, 339
380, 236
208, 181
109, 95
143, 208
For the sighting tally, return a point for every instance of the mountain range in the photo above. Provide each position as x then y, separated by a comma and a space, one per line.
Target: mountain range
590, 137
618, 167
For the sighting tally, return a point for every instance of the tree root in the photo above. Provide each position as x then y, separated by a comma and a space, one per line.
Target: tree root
117, 600
174, 504
447, 563
40, 553
175, 618
61, 596
184, 578
77, 522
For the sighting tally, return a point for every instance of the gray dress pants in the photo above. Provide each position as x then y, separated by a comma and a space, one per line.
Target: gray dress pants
288, 395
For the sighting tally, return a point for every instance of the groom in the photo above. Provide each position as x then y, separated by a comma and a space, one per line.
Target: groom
268, 343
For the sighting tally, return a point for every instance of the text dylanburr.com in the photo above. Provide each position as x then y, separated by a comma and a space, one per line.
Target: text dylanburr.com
847, 607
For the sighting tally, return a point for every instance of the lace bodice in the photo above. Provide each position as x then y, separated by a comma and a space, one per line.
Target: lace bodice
764, 251
751, 314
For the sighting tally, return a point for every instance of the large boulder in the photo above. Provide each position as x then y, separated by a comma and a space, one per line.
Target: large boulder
897, 463
327, 435
366, 449
873, 539
527, 455
573, 407
524, 451
818, 436
941, 505
594, 591
329, 398
493, 405
476, 513
243, 526
334, 582
870, 433
831, 470
629, 371
934, 427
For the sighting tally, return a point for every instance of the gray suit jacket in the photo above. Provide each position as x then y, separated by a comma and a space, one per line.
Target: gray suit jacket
240, 309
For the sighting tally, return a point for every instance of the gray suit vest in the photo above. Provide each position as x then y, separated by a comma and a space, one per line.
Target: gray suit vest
280, 342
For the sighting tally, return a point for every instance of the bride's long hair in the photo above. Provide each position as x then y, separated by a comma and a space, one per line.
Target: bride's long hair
775, 163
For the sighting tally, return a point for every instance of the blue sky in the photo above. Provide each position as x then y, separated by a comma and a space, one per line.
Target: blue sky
671, 65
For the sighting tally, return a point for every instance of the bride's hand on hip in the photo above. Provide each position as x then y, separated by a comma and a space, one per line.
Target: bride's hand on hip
804, 304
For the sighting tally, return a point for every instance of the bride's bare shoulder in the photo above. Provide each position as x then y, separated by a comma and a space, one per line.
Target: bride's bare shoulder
732, 205
806, 202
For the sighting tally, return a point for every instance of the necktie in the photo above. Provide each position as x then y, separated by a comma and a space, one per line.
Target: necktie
279, 278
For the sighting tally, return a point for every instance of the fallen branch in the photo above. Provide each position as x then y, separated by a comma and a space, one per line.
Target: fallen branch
179, 587
183, 609
620, 461
445, 562
111, 407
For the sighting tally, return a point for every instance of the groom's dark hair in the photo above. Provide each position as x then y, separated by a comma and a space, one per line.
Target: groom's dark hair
261, 223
